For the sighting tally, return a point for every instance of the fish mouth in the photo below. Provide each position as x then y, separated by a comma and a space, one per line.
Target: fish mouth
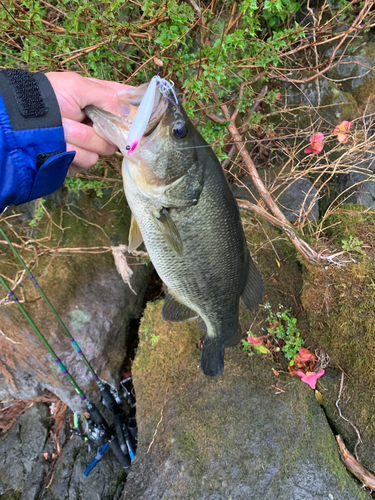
115, 128
130, 100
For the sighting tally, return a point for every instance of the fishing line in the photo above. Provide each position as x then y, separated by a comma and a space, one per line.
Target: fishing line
242, 142
268, 139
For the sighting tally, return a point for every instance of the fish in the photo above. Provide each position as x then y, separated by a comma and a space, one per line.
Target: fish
186, 215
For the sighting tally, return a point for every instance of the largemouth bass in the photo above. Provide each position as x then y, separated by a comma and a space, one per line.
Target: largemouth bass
184, 211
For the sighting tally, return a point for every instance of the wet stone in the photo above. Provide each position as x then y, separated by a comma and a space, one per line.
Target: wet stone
21, 454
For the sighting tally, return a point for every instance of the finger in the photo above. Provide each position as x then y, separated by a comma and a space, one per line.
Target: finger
102, 96
84, 136
83, 159
74, 92
113, 85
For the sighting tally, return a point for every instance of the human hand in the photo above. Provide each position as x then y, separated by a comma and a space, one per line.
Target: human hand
73, 93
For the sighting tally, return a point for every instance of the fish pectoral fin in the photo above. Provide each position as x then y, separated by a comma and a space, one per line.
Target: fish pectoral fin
173, 310
254, 288
185, 191
169, 231
135, 236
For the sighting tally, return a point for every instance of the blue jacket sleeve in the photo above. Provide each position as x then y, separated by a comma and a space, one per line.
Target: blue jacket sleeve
33, 157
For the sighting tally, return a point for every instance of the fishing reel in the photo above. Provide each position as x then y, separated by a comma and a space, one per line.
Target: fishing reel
88, 430
121, 436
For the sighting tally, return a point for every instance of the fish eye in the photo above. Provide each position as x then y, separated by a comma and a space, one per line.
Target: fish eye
180, 129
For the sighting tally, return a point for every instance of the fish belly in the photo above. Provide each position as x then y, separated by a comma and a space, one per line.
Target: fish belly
209, 276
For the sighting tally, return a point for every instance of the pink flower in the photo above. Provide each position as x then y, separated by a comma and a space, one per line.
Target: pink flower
310, 378
316, 145
278, 95
341, 131
254, 340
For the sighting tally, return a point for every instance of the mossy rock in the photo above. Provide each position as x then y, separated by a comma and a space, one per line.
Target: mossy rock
351, 220
340, 303
355, 77
276, 259
318, 98
234, 436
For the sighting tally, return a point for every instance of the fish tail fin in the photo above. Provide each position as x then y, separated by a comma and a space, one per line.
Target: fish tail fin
228, 334
212, 357
254, 289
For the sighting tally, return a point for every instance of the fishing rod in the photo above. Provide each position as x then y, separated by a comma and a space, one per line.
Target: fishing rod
60, 321
118, 435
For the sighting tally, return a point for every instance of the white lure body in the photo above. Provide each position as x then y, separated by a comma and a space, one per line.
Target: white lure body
143, 115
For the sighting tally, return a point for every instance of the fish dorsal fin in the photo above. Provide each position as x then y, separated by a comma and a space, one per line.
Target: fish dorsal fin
169, 231
173, 310
135, 236
254, 288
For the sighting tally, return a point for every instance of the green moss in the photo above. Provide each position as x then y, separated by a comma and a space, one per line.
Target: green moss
350, 220
340, 303
11, 495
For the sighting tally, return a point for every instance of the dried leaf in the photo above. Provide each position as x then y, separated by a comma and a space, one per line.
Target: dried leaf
10, 414
275, 372
57, 410
122, 265
306, 355
9, 380
319, 397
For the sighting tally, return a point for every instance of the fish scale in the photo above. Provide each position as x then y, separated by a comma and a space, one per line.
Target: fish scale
191, 227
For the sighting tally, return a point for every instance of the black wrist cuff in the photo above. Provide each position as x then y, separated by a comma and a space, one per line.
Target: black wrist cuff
29, 100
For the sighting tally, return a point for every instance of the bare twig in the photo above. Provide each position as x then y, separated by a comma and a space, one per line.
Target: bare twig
359, 440
298, 242
245, 127
156, 430
354, 466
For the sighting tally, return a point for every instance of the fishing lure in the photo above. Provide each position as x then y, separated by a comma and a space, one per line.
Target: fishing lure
143, 115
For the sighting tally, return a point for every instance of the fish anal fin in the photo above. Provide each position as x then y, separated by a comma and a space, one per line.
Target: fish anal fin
169, 231
135, 236
173, 310
254, 289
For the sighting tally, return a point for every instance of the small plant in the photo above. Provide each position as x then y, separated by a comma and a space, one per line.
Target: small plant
145, 259
149, 336
38, 213
281, 326
154, 338
252, 346
352, 245
76, 184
